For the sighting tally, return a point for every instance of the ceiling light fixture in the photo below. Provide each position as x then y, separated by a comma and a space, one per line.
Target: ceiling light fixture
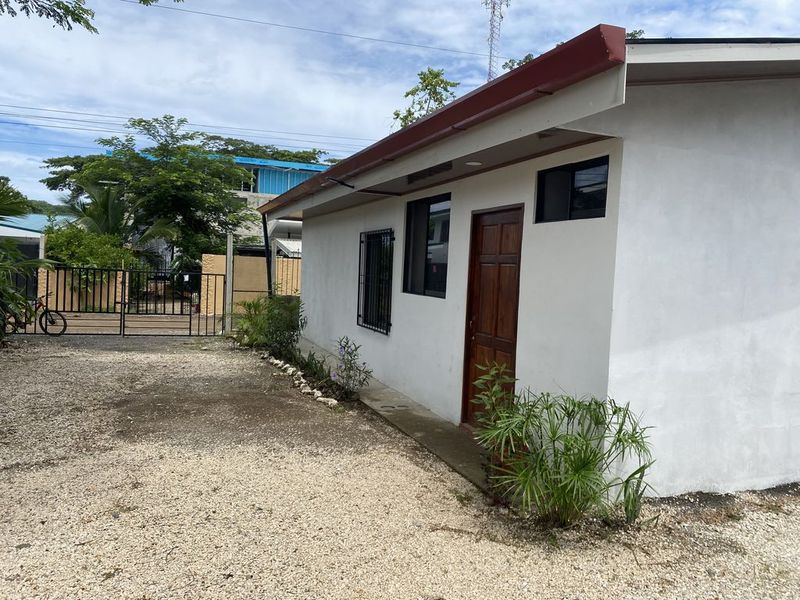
473, 163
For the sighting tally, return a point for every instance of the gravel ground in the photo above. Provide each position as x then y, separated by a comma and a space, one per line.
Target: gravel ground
162, 468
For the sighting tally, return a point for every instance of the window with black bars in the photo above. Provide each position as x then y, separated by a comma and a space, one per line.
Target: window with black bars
375, 280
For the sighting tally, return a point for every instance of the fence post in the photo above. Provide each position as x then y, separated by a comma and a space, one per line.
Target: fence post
228, 307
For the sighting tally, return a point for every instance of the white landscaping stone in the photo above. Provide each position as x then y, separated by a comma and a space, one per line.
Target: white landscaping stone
331, 402
306, 390
317, 394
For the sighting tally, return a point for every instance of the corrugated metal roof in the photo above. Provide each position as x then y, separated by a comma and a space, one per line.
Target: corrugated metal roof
281, 164
293, 248
33, 222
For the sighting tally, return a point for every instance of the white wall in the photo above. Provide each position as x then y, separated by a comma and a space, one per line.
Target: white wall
706, 328
565, 289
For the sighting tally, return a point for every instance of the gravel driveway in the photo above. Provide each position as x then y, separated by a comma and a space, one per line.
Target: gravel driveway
156, 468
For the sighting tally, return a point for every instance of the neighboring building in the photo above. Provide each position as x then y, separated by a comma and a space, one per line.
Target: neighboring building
610, 219
270, 179
26, 233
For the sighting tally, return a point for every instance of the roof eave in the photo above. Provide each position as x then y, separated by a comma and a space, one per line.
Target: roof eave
591, 53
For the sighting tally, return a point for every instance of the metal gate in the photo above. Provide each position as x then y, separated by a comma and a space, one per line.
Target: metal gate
133, 302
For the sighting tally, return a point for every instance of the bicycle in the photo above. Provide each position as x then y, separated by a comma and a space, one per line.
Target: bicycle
51, 321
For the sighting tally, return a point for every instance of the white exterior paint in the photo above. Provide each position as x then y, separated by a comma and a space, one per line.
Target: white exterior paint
684, 300
706, 329
564, 322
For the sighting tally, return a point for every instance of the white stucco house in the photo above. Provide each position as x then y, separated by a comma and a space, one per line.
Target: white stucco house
615, 218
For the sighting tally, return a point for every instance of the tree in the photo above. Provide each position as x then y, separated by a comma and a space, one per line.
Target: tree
64, 13
237, 147
513, 63
432, 92
107, 211
40, 207
13, 203
635, 34
63, 171
175, 179
74, 246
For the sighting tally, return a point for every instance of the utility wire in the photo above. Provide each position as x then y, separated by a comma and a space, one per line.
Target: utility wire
89, 114
342, 145
309, 29
292, 146
27, 143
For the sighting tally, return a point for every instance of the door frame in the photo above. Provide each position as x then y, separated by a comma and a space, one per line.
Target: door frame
465, 384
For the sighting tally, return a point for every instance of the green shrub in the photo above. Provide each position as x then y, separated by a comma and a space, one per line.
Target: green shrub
273, 323
76, 247
560, 455
314, 368
351, 373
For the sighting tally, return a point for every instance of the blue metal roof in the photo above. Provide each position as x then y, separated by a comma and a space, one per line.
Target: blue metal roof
261, 162
35, 223
281, 164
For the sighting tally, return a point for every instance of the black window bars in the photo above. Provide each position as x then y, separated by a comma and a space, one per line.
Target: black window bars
376, 251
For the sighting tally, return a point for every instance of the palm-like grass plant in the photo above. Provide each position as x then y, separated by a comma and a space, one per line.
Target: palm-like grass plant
560, 456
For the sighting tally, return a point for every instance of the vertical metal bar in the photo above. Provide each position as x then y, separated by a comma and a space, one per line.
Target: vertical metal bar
123, 302
191, 311
227, 286
267, 253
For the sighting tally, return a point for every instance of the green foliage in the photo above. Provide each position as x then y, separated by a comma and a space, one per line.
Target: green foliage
273, 323
13, 304
40, 207
513, 63
64, 13
314, 368
64, 170
174, 181
217, 144
432, 92
108, 211
13, 203
73, 246
351, 373
561, 456
635, 34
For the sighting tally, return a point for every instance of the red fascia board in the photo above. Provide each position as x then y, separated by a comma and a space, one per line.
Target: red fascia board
592, 52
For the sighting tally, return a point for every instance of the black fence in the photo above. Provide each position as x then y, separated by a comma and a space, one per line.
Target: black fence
127, 302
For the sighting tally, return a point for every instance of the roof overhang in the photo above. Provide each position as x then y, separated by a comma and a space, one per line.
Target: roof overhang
19, 234
661, 62
576, 79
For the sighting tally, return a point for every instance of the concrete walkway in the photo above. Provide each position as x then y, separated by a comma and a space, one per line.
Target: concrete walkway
452, 444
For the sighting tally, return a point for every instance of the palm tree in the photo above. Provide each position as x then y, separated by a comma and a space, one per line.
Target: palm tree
109, 211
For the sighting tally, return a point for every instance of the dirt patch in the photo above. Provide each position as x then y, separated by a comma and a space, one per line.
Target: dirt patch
142, 468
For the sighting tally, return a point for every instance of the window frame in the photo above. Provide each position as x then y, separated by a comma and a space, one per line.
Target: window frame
409, 249
572, 168
380, 323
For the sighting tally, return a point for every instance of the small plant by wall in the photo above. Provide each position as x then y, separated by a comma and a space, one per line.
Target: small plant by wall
560, 457
351, 373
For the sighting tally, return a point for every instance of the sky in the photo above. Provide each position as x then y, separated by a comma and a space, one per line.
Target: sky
290, 87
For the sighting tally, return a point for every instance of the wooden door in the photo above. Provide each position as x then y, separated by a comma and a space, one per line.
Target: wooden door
492, 297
